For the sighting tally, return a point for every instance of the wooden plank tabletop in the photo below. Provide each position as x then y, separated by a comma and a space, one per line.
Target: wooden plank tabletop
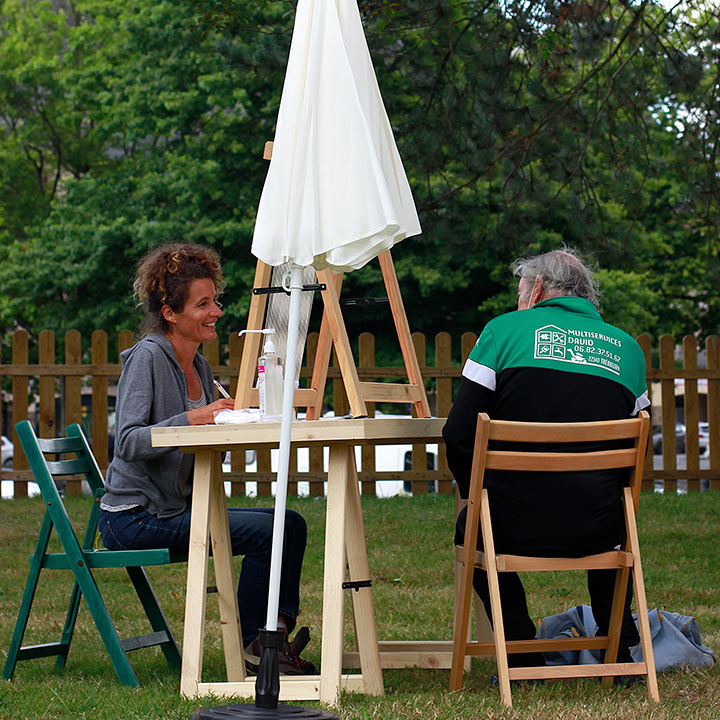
360, 431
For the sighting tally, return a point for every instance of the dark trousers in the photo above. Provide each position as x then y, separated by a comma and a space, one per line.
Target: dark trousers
250, 535
516, 618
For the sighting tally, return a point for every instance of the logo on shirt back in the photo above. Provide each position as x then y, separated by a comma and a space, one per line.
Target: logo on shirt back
577, 346
551, 342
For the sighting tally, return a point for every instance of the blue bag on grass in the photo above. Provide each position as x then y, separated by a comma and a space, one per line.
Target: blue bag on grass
675, 638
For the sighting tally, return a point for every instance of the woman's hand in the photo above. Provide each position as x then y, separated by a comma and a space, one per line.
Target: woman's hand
205, 415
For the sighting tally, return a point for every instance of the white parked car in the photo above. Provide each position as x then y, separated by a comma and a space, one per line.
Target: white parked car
704, 438
7, 453
7, 490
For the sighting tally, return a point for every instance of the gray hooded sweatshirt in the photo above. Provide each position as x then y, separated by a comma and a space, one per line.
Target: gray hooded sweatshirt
152, 392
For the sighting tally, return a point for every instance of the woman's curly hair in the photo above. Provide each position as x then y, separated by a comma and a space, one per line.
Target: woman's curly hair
164, 275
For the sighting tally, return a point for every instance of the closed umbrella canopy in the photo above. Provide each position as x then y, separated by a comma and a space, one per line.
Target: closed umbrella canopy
336, 194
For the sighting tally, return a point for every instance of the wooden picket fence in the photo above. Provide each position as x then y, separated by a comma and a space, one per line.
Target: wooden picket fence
46, 385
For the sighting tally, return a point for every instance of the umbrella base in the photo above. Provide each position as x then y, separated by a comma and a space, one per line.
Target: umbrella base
252, 712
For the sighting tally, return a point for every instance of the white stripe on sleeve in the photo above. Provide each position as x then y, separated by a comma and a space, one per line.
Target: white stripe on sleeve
480, 374
641, 403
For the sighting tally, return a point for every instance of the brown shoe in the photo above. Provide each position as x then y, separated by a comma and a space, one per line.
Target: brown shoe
253, 651
289, 659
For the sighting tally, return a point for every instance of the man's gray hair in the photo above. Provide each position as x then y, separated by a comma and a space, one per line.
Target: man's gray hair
562, 272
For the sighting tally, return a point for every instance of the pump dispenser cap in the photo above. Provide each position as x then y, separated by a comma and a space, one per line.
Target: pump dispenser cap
269, 345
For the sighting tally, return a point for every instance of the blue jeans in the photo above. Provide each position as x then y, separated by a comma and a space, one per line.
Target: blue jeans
250, 535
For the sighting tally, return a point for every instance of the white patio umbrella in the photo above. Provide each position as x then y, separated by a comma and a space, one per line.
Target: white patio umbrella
336, 194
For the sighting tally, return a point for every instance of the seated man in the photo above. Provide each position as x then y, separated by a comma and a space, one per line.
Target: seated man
553, 361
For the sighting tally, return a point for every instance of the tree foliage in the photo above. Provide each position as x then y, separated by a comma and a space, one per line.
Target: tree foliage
522, 125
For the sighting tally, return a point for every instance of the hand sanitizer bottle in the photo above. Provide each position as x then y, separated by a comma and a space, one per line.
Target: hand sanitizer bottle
270, 380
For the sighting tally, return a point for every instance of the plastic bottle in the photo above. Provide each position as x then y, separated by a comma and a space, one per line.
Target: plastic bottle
270, 380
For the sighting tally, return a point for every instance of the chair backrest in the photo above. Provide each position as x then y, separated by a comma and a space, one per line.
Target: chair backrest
36, 449
45, 470
633, 457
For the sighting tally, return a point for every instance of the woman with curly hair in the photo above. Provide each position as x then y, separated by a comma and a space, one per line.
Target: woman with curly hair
165, 381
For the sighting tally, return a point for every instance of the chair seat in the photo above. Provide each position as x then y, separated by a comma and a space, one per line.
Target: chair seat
113, 558
531, 563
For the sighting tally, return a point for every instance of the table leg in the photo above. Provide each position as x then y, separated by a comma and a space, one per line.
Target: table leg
225, 577
197, 575
359, 569
334, 574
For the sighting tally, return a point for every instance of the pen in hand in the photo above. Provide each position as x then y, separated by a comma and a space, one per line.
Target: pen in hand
222, 390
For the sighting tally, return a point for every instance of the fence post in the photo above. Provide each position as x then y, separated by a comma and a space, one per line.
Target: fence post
20, 356
73, 383
262, 457
99, 354
317, 487
73, 393
126, 339
292, 486
645, 345
366, 355
692, 412
467, 343
443, 361
46, 385
669, 415
211, 352
3, 430
419, 452
235, 344
712, 349
237, 459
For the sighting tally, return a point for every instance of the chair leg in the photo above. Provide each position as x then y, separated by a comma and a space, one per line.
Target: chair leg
645, 636
495, 603
14, 652
69, 627
463, 595
641, 601
105, 626
158, 621
462, 619
457, 579
617, 612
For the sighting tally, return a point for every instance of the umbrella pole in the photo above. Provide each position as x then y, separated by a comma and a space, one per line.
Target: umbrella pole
267, 686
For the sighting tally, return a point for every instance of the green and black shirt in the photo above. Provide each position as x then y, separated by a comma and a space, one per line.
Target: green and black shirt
556, 362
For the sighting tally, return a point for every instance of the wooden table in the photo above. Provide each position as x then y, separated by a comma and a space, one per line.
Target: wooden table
344, 534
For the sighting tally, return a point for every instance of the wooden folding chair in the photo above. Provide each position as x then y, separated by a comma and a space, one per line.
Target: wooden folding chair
82, 559
624, 560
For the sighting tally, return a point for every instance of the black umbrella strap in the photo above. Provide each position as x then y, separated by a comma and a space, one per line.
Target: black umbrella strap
279, 289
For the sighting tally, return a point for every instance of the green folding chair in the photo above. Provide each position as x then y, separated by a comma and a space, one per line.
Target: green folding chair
82, 559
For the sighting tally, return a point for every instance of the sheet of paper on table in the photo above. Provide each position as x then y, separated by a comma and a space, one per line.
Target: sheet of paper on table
237, 417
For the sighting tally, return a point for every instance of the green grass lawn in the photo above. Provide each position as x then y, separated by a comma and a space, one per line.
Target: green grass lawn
410, 551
